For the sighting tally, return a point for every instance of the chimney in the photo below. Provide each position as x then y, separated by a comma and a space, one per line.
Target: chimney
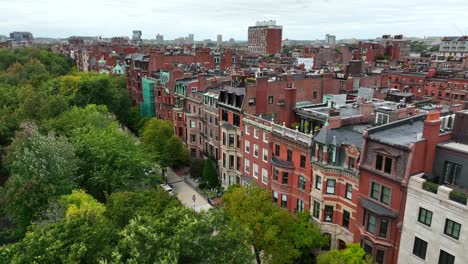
366, 111
431, 134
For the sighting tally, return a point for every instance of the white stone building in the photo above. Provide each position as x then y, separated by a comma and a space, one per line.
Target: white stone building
435, 228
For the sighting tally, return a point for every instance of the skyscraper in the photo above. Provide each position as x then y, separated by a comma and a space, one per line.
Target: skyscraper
219, 40
330, 39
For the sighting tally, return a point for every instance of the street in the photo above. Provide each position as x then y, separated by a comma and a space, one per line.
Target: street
185, 192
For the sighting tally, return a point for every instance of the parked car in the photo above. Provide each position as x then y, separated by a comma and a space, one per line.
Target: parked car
168, 189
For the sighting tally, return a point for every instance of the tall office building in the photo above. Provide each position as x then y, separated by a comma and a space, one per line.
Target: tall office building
190, 38
330, 39
265, 38
136, 35
159, 39
219, 40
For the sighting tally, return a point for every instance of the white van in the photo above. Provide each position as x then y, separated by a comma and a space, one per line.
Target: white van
168, 189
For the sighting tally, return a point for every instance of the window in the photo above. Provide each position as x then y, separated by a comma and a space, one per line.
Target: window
255, 171
328, 217
346, 219
265, 137
265, 155
275, 197
349, 191
451, 172
316, 211
247, 130
192, 124
238, 141
264, 176
379, 162
300, 205
277, 150
236, 120
380, 193
452, 228
224, 138
193, 138
238, 163
425, 216
247, 165
351, 162
275, 175
284, 178
318, 182
231, 162
301, 183
368, 249
284, 200
289, 157
314, 95
371, 223
224, 160
247, 146
381, 118
255, 150
231, 140
224, 115
270, 99
251, 101
380, 256
383, 227
303, 161
419, 248
446, 258
331, 186
388, 166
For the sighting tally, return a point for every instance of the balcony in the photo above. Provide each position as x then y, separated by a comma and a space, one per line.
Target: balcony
293, 134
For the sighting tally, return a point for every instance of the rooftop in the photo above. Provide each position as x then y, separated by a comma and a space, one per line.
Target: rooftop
400, 133
454, 146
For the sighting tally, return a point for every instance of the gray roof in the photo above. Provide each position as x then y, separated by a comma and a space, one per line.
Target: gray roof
348, 135
400, 133
377, 208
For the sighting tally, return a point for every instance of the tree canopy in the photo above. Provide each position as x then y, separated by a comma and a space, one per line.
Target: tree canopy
352, 254
276, 237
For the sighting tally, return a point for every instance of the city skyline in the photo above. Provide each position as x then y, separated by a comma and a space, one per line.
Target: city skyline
181, 17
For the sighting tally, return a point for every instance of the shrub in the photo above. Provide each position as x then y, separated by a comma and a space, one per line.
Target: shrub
430, 186
458, 197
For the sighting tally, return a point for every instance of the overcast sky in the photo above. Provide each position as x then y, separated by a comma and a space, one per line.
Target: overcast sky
301, 19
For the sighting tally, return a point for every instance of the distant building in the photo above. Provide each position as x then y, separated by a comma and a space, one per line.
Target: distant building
265, 38
330, 39
21, 36
191, 39
219, 40
159, 39
136, 35
454, 46
232, 41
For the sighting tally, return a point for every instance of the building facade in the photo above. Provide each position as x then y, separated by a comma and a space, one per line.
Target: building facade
265, 38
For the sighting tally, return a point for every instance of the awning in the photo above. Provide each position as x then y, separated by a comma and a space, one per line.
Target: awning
377, 208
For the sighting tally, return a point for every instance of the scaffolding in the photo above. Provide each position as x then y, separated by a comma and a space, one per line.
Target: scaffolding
147, 107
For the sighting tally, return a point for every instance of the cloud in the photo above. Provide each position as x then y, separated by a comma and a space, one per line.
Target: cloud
302, 19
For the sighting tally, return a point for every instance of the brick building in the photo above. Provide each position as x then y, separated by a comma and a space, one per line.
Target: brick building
265, 38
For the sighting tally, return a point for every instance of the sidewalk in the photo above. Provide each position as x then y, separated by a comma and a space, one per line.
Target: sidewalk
185, 192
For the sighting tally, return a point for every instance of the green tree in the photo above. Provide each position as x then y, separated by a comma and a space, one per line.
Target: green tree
110, 161
175, 153
42, 167
196, 168
352, 254
82, 236
210, 177
76, 117
154, 139
123, 206
180, 235
276, 237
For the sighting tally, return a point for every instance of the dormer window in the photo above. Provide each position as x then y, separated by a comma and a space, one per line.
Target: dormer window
383, 163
